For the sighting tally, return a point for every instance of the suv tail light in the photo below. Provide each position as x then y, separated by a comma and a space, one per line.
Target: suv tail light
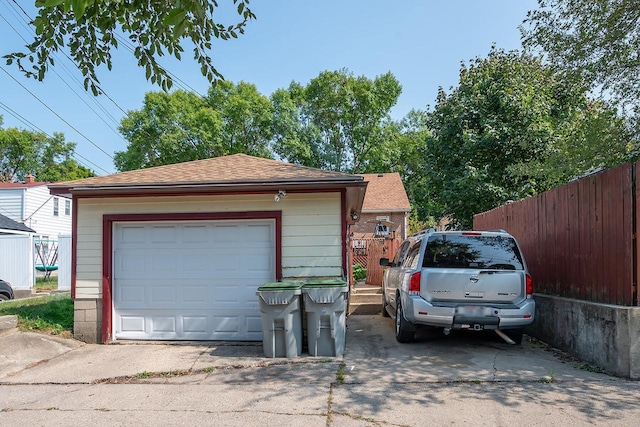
529, 285
414, 283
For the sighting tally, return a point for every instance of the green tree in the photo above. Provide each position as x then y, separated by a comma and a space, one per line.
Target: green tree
47, 159
597, 40
179, 126
90, 30
513, 128
246, 117
405, 153
295, 139
336, 122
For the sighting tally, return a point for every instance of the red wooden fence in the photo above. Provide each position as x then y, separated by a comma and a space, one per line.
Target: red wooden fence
579, 239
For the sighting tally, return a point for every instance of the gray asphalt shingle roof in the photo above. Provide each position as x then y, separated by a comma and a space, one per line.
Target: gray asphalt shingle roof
9, 224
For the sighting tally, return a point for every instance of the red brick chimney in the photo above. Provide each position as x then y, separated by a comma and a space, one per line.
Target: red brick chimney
29, 179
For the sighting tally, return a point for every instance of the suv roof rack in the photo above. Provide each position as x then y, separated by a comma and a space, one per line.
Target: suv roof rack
422, 232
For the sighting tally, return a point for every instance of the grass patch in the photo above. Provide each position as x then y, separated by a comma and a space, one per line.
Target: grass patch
548, 379
43, 284
590, 368
51, 314
340, 373
143, 375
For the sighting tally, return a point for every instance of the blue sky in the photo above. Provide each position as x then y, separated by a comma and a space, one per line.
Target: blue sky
421, 42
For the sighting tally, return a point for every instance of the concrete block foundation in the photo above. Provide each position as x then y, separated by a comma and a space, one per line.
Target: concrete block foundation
87, 316
606, 336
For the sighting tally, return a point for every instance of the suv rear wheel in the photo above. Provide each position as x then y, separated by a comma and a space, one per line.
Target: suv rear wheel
405, 331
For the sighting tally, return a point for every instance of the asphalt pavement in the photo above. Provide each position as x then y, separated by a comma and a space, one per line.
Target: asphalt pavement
461, 379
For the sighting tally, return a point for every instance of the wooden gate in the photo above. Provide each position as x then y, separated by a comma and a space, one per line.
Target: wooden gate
366, 253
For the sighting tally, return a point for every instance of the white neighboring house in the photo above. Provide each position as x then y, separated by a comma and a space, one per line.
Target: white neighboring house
31, 204
48, 217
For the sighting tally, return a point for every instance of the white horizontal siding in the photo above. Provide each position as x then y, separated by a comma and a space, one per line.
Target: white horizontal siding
311, 230
89, 289
305, 272
11, 203
38, 213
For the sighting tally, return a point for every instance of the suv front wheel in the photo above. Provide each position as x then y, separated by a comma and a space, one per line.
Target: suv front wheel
385, 313
405, 331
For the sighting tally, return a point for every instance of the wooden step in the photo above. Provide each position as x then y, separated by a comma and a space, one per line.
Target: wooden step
364, 308
366, 298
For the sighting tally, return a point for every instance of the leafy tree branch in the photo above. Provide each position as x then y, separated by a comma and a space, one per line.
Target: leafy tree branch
90, 29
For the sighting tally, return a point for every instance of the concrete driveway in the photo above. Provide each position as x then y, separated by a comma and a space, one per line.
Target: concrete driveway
460, 379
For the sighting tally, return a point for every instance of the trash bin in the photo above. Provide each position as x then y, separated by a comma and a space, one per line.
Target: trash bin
280, 305
325, 305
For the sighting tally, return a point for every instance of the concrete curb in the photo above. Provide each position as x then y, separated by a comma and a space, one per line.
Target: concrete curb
8, 324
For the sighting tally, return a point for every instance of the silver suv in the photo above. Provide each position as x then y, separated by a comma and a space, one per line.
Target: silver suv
473, 280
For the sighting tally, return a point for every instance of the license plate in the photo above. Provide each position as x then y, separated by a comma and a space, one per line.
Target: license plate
472, 311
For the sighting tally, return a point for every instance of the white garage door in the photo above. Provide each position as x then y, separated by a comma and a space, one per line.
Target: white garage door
191, 280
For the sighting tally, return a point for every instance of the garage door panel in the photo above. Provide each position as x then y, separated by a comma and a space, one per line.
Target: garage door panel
163, 324
164, 263
193, 281
196, 263
132, 234
195, 294
196, 234
132, 323
225, 324
259, 263
134, 294
225, 295
226, 233
163, 295
253, 325
262, 232
189, 292
163, 234
130, 264
203, 325
197, 324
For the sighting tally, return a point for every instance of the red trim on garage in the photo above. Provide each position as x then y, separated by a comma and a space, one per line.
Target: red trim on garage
107, 247
107, 301
74, 243
343, 232
142, 193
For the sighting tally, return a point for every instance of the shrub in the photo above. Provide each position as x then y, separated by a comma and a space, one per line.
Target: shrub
359, 273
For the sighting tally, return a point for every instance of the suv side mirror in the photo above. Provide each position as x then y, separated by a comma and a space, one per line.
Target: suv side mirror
385, 262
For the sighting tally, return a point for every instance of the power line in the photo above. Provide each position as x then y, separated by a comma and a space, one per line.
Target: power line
20, 7
27, 123
125, 43
78, 82
57, 115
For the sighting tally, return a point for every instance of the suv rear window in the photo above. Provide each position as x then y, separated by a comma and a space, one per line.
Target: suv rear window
455, 251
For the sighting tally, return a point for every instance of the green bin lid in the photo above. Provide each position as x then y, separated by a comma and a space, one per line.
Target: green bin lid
325, 283
280, 286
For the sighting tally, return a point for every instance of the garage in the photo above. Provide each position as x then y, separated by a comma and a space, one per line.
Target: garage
177, 252
193, 280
